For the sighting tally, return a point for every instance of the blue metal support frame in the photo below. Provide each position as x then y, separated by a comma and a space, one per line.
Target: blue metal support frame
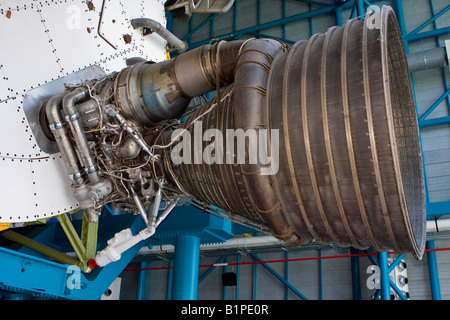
434, 209
224, 288
186, 265
338, 14
422, 120
286, 275
437, 42
423, 25
398, 6
317, 3
169, 281
356, 276
433, 271
320, 275
384, 276
255, 282
29, 274
23, 269
279, 277
321, 8
428, 34
211, 269
238, 259
385, 281
142, 281
200, 26
360, 10
256, 29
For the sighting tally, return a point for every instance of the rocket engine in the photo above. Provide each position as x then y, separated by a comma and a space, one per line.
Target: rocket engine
331, 148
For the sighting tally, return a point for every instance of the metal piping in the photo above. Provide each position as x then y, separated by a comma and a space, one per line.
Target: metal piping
98, 187
139, 205
438, 225
155, 26
72, 117
429, 59
346, 169
152, 92
59, 130
155, 207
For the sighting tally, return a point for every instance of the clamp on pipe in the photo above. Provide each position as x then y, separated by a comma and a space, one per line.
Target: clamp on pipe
98, 187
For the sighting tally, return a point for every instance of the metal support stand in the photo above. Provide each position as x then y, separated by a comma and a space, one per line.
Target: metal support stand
384, 276
360, 9
356, 276
186, 265
433, 271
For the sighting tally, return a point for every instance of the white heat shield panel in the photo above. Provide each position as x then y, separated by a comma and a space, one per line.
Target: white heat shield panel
44, 46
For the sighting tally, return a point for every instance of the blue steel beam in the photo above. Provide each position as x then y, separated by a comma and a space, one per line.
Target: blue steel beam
238, 259
438, 101
41, 277
423, 25
385, 280
433, 123
224, 288
436, 209
268, 25
338, 16
398, 6
317, 3
360, 11
169, 281
397, 290
320, 276
255, 281
286, 274
26, 273
384, 276
200, 26
434, 106
395, 263
356, 276
185, 270
428, 34
276, 275
443, 69
433, 270
440, 208
211, 269
325, 8
142, 281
